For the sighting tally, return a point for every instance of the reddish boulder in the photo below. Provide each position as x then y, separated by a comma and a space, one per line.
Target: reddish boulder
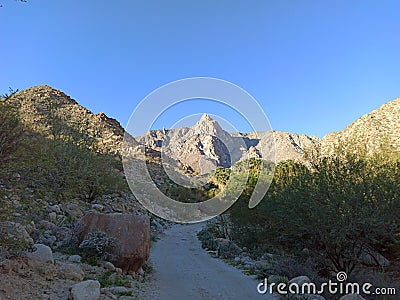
131, 234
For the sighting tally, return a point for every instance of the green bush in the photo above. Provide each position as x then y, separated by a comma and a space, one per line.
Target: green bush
338, 207
208, 241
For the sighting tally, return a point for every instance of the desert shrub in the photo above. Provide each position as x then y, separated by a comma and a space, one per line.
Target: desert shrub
98, 244
208, 241
289, 267
10, 132
109, 278
338, 207
13, 239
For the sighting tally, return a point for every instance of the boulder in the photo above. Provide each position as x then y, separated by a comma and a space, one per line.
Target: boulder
108, 266
42, 254
86, 290
131, 233
352, 297
71, 271
300, 280
72, 210
373, 258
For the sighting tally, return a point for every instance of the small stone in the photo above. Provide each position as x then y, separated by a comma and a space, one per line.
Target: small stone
53, 216
42, 254
140, 272
55, 208
98, 207
118, 270
119, 289
75, 258
156, 225
109, 266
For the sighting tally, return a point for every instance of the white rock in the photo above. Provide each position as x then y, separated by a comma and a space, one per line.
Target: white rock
86, 290
42, 254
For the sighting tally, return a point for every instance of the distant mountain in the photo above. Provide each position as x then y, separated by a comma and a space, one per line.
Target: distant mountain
45, 110
206, 145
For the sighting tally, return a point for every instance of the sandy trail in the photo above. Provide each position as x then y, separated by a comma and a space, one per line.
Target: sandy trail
186, 271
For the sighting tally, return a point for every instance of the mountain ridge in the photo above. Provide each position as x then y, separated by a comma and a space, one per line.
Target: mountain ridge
204, 143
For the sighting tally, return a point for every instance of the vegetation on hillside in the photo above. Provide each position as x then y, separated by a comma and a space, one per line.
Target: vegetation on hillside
60, 167
335, 210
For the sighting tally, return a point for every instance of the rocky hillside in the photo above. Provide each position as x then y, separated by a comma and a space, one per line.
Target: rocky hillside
371, 129
46, 110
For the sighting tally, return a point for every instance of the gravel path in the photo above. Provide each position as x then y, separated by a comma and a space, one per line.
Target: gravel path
183, 270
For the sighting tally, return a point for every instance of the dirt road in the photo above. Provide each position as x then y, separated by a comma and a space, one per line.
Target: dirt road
186, 271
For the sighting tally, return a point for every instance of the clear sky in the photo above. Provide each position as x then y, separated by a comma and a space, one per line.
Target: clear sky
314, 66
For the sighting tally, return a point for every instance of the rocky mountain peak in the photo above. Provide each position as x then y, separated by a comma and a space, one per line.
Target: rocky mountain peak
207, 126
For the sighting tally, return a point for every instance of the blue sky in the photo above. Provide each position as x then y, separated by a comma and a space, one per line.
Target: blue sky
313, 66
